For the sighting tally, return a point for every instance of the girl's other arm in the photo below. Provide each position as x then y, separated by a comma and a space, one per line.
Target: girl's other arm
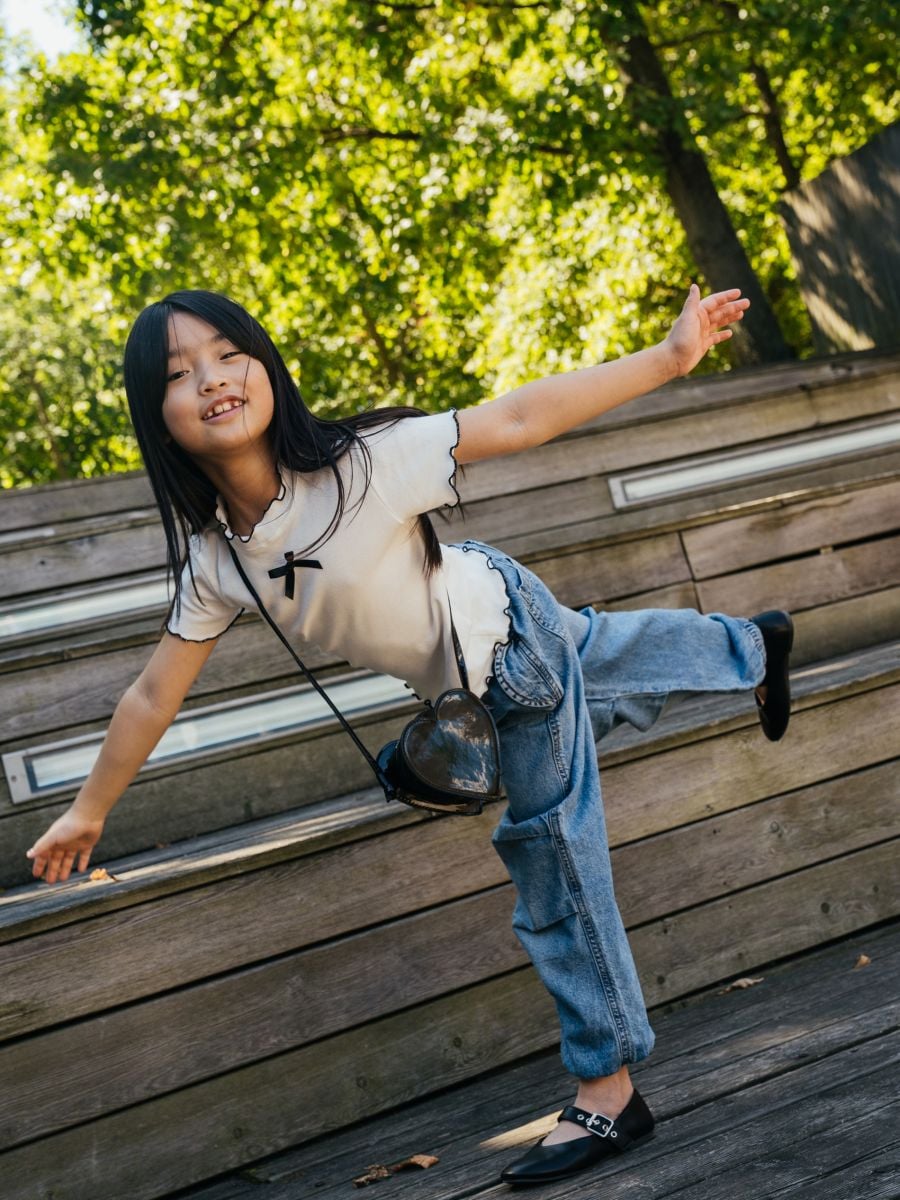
142, 716
540, 410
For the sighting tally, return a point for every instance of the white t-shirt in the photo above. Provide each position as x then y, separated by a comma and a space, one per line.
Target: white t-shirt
368, 600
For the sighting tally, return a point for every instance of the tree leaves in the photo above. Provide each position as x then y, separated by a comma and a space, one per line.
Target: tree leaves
424, 207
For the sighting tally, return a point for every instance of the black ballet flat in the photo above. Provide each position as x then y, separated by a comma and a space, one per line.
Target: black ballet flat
777, 630
543, 1164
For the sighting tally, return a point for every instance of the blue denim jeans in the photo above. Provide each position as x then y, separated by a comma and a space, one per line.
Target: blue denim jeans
562, 681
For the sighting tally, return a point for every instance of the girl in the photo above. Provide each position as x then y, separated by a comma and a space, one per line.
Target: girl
327, 518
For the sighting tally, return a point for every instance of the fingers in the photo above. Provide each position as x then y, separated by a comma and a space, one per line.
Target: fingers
716, 298
726, 314
56, 863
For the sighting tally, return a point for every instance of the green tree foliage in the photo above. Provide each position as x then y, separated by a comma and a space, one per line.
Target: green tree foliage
425, 203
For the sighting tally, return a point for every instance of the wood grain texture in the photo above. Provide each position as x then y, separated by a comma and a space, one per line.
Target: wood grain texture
58, 564
233, 850
248, 660
705, 1049
281, 1100
746, 846
830, 630
730, 936
596, 575
552, 533
792, 530
245, 919
205, 1129
806, 582
599, 450
645, 796
74, 500
297, 998
146, 1050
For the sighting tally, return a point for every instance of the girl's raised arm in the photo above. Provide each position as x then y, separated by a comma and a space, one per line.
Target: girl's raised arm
142, 716
540, 410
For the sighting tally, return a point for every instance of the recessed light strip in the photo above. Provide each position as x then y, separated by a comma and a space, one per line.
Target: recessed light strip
725, 468
60, 766
90, 605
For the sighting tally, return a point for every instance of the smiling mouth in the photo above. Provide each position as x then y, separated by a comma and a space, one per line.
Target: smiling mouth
223, 406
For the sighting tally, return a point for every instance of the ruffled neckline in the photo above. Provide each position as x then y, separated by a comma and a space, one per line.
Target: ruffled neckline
274, 509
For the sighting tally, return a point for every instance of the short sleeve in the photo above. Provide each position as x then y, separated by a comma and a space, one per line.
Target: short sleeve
200, 617
413, 467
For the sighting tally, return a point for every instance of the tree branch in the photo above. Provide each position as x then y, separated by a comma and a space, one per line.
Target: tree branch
229, 38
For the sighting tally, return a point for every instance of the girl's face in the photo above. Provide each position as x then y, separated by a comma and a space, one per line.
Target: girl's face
218, 399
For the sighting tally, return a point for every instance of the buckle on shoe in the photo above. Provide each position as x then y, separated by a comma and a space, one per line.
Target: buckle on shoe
595, 1124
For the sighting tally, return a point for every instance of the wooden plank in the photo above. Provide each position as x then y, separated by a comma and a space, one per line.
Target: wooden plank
603, 448
37, 539
791, 530
808, 581
303, 997
248, 660
676, 595
543, 502
847, 1124
550, 534
170, 1041
748, 845
596, 575
830, 630
215, 792
692, 1150
768, 1126
726, 937
244, 919
209, 1127
646, 796
872, 1175
702, 1048
73, 500
813, 822
692, 721
140, 547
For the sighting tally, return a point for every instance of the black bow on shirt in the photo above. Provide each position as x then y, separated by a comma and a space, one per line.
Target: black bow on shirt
288, 568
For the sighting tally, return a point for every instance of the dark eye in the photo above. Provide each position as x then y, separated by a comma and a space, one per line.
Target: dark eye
174, 376
232, 352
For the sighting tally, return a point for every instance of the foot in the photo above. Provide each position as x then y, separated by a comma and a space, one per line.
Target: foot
608, 1095
773, 696
598, 1136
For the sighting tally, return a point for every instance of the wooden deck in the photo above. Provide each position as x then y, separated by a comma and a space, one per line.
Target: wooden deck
787, 1088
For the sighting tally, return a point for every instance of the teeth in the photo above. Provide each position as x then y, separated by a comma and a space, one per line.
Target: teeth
220, 408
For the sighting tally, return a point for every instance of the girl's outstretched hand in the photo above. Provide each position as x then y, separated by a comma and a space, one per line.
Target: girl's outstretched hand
700, 326
71, 836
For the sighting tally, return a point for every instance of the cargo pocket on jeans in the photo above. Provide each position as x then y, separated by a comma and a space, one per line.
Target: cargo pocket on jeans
524, 677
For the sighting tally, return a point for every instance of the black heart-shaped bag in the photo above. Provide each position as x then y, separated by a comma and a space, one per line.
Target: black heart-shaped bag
446, 760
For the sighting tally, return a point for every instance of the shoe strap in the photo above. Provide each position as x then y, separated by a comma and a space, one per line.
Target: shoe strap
598, 1124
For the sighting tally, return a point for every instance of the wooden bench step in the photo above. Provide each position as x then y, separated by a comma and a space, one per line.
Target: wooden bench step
688, 730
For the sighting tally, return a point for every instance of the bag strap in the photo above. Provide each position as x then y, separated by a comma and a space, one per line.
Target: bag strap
379, 774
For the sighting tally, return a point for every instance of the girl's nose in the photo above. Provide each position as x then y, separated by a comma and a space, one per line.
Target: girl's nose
211, 379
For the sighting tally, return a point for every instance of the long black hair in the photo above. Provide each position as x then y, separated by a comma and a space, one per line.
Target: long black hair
300, 440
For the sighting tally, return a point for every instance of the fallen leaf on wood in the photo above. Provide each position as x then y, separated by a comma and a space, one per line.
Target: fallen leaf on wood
862, 961
101, 875
415, 1160
740, 984
377, 1171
